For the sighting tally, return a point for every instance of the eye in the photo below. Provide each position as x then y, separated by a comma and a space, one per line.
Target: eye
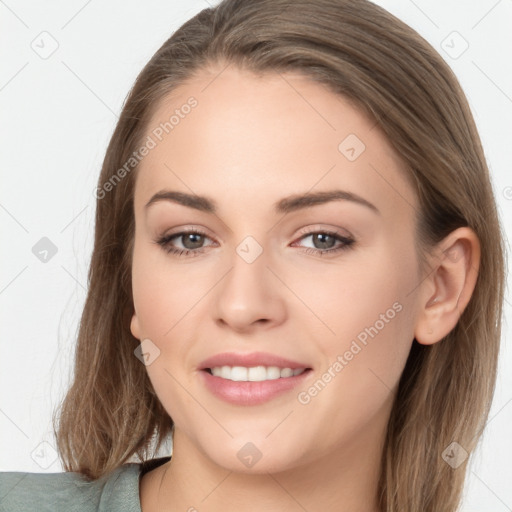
326, 240
192, 241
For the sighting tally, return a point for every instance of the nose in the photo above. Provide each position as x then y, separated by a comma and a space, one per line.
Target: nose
249, 295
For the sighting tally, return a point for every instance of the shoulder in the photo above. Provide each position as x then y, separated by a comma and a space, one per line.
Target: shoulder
71, 492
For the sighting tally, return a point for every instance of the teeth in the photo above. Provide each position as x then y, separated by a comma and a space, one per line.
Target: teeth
288, 372
255, 373
238, 373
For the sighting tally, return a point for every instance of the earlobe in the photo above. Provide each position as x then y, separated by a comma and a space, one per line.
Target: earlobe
449, 286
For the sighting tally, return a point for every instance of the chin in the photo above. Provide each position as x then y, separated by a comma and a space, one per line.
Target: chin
258, 457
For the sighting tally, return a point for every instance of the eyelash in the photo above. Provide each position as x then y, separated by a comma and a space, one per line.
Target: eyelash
164, 242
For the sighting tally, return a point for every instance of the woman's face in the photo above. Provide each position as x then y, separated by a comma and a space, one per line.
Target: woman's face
255, 282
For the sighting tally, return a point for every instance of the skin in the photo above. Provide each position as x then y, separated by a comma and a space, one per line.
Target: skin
251, 141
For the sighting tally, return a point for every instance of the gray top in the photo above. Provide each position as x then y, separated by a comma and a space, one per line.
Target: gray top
72, 492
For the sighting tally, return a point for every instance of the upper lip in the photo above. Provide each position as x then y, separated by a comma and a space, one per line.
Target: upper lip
249, 360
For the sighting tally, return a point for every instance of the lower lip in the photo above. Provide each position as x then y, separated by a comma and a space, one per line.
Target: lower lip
250, 393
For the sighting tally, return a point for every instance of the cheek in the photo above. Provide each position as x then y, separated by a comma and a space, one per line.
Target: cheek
169, 301
346, 299
370, 326
362, 364
164, 292
164, 303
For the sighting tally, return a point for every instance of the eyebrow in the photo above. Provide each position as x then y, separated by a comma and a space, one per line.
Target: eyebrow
285, 205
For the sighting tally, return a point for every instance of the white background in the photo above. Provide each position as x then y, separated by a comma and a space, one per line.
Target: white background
58, 114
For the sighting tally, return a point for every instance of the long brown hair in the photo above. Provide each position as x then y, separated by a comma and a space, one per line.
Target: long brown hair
111, 412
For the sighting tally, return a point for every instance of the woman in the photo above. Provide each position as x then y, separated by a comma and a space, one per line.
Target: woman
298, 273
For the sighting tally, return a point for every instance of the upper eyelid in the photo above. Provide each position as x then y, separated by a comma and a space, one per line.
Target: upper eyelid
185, 230
338, 236
313, 228
182, 233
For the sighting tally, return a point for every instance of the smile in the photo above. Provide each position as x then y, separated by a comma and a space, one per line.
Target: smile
268, 384
254, 373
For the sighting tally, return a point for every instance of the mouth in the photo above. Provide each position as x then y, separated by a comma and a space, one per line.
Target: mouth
254, 373
251, 378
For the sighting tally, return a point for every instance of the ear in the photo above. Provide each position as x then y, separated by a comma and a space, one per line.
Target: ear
447, 289
134, 326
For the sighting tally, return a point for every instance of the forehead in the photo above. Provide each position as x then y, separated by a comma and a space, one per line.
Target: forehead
249, 140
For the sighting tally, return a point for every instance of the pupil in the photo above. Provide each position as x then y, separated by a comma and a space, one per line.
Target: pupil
190, 237
322, 237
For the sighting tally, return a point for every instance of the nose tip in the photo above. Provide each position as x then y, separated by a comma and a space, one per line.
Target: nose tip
242, 321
